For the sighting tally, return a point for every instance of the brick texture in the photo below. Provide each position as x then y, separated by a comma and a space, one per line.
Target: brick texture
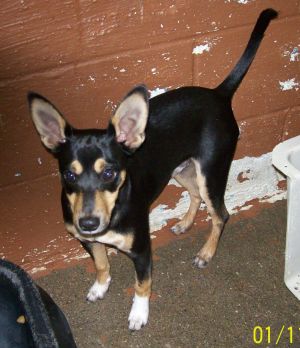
292, 123
259, 135
37, 35
85, 55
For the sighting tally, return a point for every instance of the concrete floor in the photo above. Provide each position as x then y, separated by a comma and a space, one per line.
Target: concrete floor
217, 307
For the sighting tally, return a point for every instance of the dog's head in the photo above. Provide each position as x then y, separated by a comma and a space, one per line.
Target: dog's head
92, 163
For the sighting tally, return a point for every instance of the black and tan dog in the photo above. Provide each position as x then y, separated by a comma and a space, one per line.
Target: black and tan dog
110, 177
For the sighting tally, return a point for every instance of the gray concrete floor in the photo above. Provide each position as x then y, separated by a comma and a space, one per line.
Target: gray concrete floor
217, 307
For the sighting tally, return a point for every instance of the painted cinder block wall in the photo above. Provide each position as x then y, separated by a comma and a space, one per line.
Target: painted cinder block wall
85, 55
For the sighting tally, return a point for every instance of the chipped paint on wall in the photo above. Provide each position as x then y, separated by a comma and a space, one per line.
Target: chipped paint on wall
44, 258
201, 48
242, 2
205, 46
110, 106
157, 91
37, 269
289, 84
259, 181
293, 54
154, 71
92, 78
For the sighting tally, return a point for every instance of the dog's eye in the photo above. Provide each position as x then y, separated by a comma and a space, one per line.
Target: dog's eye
69, 176
108, 174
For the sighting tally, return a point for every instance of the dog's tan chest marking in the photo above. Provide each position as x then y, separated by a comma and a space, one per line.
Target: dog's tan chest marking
121, 241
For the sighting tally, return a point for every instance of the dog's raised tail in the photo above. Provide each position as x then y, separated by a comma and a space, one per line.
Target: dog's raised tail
232, 81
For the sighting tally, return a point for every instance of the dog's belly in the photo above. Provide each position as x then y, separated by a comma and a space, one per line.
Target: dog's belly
121, 241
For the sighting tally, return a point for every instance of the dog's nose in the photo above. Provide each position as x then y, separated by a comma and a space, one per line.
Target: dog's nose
90, 223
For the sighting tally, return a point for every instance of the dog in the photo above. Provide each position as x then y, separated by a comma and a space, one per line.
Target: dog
111, 176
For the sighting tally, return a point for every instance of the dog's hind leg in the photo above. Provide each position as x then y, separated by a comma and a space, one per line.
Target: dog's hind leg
186, 177
101, 285
212, 188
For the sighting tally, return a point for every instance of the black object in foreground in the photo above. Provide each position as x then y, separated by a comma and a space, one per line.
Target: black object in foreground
28, 315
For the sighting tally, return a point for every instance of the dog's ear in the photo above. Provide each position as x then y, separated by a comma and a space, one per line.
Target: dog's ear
131, 117
48, 121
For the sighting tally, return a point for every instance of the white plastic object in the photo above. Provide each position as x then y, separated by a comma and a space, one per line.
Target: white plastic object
286, 158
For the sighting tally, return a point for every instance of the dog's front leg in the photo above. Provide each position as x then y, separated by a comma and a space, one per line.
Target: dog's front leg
139, 313
101, 284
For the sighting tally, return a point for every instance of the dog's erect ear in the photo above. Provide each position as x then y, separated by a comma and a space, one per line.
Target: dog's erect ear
131, 117
47, 120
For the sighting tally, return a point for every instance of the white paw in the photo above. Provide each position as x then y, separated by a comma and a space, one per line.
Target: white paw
200, 262
139, 313
97, 291
178, 228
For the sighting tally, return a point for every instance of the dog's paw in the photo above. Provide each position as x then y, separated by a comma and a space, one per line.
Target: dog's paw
97, 291
200, 262
139, 313
179, 228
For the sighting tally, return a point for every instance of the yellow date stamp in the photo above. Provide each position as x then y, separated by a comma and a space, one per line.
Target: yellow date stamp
267, 335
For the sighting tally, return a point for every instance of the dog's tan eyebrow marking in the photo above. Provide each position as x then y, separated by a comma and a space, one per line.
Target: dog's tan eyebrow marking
76, 167
99, 165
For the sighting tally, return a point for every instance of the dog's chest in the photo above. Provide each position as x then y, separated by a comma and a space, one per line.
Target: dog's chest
121, 241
